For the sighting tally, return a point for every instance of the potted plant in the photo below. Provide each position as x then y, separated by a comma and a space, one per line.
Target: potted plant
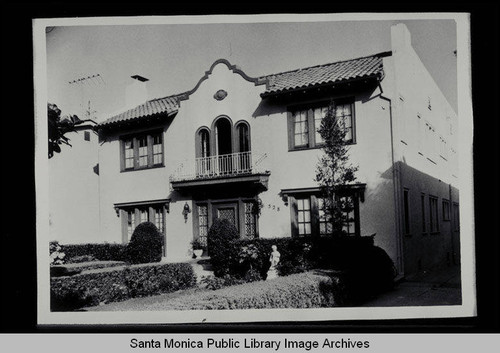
198, 248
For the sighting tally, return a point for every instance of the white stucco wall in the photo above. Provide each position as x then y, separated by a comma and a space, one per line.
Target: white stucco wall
422, 118
269, 136
73, 191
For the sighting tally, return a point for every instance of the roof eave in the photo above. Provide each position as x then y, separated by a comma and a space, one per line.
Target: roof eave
137, 120
378, 77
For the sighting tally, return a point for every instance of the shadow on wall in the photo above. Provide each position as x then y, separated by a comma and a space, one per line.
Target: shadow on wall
422, 249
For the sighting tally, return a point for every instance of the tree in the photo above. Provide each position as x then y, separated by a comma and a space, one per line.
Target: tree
58, 127
334, 171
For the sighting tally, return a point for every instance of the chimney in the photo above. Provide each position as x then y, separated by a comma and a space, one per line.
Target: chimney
136, 92
400, 38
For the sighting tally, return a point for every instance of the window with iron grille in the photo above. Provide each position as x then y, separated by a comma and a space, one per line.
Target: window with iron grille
202, 223
250, 226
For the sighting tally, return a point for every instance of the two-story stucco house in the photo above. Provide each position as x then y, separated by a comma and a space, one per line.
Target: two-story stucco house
246, 149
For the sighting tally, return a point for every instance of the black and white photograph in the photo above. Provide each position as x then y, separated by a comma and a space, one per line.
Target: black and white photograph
253, 168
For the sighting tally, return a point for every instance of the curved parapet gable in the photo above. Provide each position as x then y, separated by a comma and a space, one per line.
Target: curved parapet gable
234, 68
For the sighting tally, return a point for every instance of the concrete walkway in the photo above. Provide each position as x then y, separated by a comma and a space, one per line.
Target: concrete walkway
441, 286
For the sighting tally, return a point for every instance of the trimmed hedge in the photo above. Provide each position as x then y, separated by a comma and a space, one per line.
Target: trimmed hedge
77, 267
112, 284
102, 252
304, 290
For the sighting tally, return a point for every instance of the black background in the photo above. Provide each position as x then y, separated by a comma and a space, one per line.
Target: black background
17, 241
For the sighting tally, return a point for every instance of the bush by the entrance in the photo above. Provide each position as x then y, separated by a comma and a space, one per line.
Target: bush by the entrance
145, 245
220, 236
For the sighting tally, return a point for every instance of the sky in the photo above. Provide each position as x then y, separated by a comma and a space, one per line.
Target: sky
175, 56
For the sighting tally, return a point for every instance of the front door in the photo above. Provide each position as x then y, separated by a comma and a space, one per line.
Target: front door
227, 211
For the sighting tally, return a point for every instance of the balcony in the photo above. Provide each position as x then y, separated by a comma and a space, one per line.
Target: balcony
241, 167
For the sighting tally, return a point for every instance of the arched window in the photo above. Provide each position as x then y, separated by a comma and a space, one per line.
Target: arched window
243, 135
223, 136
204, 143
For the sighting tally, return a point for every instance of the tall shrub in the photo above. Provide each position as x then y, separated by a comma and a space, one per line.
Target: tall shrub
220, 236
334, 171
145, 244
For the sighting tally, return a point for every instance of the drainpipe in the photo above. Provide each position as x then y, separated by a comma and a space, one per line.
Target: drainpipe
453, 255
397, 184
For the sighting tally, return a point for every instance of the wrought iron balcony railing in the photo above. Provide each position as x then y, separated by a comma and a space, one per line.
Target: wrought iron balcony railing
225, 165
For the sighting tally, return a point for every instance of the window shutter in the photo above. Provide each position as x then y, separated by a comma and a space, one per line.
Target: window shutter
291, 143
293, 216
124, 219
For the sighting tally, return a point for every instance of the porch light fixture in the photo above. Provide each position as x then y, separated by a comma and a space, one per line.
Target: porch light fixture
186, 211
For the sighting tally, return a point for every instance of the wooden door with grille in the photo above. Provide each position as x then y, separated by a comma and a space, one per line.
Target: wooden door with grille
227, 211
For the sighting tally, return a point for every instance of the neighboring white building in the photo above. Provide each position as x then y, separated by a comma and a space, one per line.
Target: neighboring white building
235, 142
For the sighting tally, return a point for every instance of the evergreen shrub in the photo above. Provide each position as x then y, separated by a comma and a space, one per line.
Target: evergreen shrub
145, 245
220, 236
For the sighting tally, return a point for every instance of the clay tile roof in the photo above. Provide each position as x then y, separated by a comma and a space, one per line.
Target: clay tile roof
365, 67
167, 105
341, 71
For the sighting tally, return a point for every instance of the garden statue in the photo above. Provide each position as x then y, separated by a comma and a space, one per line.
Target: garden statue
274, 259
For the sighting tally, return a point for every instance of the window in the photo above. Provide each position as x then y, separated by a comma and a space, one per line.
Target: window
347, 205
243, 137
300, 129
311, 215
325, 223
142, 151
422, 205
456, 217
132, 214
406, 206
130, 223
250, 228
433, 214
446, 210
203, 138
86, 135
304, 216
202, 223
303, 123
343, 112
319, 114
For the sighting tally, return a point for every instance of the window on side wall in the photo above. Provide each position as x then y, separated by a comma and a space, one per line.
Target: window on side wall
433, 215
446, 210
406, 209
142, 151
304, 122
